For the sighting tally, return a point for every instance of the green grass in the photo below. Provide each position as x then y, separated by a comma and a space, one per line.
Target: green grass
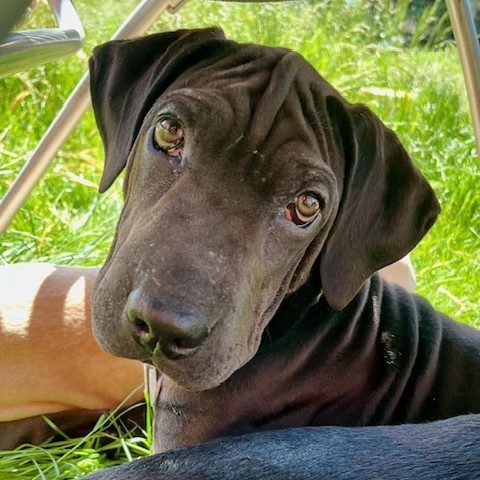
415, 87
108, 444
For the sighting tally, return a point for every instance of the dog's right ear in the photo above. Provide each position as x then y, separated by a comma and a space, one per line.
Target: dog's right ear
386, 208
128, 76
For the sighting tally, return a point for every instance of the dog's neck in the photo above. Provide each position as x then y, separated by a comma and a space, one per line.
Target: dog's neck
262, 394
300, 302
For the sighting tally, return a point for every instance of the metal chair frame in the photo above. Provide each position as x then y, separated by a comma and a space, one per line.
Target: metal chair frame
137, 24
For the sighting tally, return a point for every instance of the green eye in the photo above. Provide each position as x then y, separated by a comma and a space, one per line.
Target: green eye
168, 135
307, 206
304, 210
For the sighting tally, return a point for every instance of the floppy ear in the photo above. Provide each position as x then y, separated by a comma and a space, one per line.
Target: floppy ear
386, 206
128, 76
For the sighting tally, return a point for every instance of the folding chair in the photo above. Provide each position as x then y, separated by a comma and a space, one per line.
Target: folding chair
137, 24
27, 49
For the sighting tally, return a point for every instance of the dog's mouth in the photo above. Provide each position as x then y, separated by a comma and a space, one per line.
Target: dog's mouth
176, 351
268, 313
223, 351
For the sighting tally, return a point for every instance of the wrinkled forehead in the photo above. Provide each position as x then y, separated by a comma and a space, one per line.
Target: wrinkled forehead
257, 97
263, 123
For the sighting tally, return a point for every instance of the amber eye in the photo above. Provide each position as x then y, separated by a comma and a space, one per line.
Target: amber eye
304, 210
168, 135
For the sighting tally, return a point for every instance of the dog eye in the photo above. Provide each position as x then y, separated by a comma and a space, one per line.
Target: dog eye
304, 210
168, 135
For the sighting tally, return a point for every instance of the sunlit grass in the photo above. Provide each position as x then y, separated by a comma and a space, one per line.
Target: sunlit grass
109, 443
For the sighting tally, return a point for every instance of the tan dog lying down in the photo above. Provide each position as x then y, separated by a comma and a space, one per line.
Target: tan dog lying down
49, 361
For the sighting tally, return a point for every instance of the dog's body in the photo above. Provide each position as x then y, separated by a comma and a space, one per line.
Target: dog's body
442, 450
388, 358
258, 203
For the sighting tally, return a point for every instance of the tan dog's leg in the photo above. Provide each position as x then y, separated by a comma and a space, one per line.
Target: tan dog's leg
401, 273
49, 360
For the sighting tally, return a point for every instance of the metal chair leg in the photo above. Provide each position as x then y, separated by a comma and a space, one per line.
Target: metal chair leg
465, 34
136, 24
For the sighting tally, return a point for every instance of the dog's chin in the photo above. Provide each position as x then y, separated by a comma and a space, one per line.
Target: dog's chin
206, 369
196, 374
189, 374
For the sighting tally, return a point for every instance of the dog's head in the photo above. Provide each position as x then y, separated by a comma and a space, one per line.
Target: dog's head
245, 171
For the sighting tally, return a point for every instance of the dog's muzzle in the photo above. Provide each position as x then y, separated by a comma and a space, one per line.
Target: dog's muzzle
162, 332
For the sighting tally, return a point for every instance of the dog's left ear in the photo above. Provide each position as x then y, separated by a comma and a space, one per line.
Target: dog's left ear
386, 206
128, 76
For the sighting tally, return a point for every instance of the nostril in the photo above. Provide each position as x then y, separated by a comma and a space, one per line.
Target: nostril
142, 333
141, 327
186, 342
183, 344
177, 348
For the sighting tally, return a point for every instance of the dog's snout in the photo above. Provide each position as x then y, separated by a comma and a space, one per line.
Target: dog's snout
173, 335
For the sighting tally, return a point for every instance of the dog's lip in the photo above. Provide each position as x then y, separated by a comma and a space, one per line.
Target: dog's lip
177, 357
279, 295
170, 351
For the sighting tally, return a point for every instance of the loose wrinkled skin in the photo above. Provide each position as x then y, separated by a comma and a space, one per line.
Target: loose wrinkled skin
201, 238
252, 321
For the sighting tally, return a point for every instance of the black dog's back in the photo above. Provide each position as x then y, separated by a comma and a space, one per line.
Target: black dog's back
446, 449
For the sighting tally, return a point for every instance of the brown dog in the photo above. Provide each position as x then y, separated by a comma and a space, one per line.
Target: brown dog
50, 363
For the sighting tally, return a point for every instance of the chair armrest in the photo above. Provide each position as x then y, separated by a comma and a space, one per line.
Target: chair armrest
24, 50
29, 48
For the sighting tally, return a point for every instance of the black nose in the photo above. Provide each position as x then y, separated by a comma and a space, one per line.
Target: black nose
157, 329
